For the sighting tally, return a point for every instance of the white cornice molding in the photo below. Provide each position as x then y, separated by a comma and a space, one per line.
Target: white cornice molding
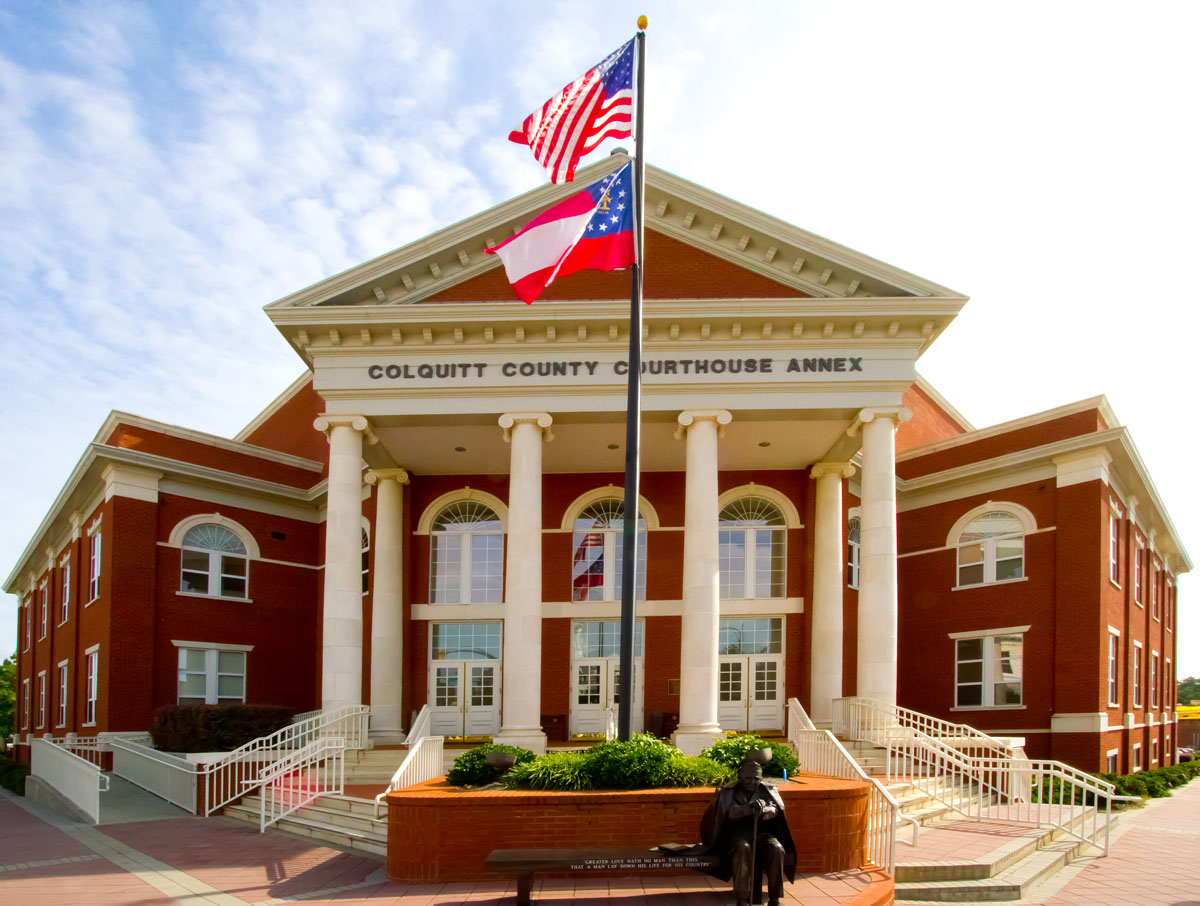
274, 406
116, 418
930, 391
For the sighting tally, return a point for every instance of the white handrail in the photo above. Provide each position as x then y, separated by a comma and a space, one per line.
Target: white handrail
423, 762
319, 769
420, 726
74, 778
166, 776
611, 718
871, 720
226, 778
820, 752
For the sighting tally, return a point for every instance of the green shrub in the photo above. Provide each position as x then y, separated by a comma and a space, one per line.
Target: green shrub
731, 752
12, 775
552, 771
639, 763
471, 767
214, 728
695, 770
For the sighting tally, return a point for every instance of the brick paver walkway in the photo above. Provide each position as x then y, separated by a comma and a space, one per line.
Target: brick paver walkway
1155, 861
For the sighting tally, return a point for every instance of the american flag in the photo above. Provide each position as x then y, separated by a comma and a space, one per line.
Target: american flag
587, 572
596, 106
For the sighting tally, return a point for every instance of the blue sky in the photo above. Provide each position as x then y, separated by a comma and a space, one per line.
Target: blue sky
171, 167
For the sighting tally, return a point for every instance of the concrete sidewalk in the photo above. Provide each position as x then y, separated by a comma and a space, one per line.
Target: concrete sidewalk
1154, 861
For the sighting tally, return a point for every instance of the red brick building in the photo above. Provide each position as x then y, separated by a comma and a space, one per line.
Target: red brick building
430, 515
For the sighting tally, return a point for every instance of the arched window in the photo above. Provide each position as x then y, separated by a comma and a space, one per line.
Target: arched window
466, 561
213, 562
991, 548
597, 552
753, 549
853, 537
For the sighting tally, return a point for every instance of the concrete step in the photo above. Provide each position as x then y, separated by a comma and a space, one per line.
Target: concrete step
1013, 883
319, 823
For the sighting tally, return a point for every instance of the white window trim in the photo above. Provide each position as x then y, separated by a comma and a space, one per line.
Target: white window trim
1154, 751
91, 690
1138, 666
95, 537
646, 511
216, 646
465, 565
366, 549
1169, 686
64, 606
1114, 545
1109, 756
25, 703
613, 541
212, 674
491, 501
1138, 570
215, 558
41, 709
28, 633
985, 634
853, 549
175, 539
1137, 756
1028, 527
64, 690
1155, 679
791, 516
43, 595
1114, 667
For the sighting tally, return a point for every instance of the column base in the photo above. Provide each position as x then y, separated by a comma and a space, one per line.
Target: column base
533, 740
692, 740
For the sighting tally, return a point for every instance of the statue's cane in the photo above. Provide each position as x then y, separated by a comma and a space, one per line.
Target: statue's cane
754, 850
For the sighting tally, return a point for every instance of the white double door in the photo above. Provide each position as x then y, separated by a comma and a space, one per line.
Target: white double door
594, 682
464, 698
750, 692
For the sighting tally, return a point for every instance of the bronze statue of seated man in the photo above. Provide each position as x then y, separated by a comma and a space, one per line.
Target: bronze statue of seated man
746, 827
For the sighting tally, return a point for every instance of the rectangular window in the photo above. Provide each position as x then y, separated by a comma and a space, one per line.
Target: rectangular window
27, 613
1112, 764
1138, 556
41, 699
1154, 751
62, 694
1137, 674
25, 704
988, 671
91, 689
64, 612
1155, 579
1169, 605
602, 638
1154, 679
1114, 546
44, 624
209, 676
1137, 756
750, 635
94, 567
1169, 690
1114, 647
465, 641
731, 554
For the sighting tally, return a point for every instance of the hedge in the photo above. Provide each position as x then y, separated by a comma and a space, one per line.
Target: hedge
12, 775
214, 728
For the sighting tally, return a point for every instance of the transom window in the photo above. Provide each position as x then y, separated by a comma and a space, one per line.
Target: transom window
991, 549
466, 560
213, 562
598, 552
602, 638
208, 676
988, 671
752, 540
853, 541
466, 641
750, 635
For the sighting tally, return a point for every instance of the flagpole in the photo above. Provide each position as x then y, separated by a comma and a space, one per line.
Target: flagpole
633, 409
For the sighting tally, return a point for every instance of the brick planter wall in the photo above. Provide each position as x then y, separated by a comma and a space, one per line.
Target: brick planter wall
437, 832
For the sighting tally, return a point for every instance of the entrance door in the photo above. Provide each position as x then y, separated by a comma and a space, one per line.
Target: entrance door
464, 699
750, 692
594, 683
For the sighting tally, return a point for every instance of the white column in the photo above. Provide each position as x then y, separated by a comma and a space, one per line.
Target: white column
698, 723
387, 601
878, 600
521, 718
341, 648
825, 664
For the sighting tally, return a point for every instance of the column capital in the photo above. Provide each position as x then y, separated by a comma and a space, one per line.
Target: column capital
326, 422
897, 414
688, 417
542, 420
840, 469
375, 476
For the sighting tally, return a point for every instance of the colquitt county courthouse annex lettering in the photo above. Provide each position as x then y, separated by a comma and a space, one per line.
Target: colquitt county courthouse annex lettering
576, 368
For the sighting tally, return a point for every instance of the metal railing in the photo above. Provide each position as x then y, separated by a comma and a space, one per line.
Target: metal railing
424, 761
227, 778
820, 752
980, 776
420, 726
319, 769
74, 778
167, 776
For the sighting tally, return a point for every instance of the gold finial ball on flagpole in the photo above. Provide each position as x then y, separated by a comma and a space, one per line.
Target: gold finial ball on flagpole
643, 22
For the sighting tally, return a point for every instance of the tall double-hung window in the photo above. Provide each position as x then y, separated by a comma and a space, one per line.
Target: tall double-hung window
466, 560
988, 669
752, 548
598, 551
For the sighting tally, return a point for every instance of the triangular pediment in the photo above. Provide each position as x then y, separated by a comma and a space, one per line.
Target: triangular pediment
700, 245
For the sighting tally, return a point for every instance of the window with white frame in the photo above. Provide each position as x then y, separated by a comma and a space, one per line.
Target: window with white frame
25, 704
988, 670
466, 558
598, 552
1169, 690
1138, 556
1155, 578
991, 549
91, 687
27, 613
62, 693
64, 612
1154, 751
853, 540
1112, 764
1154, 679
1137, 756
1137, 674
209, 676
94, 545
1114, 648
1114, 546
213, 562
752, 549
44, 621
41, 699
750, 635
366, 560
1169, 605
